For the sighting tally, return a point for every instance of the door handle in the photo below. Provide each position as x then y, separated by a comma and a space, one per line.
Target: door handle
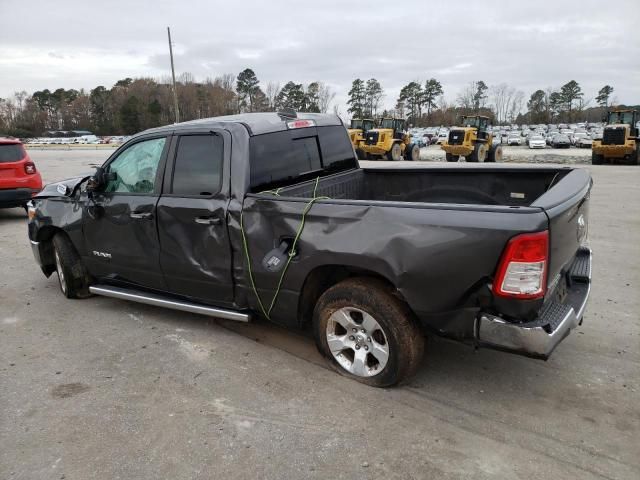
142, 215
208, 220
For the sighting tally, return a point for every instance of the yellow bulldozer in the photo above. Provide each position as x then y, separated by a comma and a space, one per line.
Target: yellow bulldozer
389, 141
620, 142
472, 140
357, 130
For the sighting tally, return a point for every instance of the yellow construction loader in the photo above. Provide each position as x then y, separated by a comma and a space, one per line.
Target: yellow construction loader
357, 130
472, 140
620, 142
389, 141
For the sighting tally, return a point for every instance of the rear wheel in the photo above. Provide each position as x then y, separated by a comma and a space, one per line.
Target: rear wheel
72, 274
596, 159
395, 154
413, 152
367, 333
451, 157
479, 153
495, 154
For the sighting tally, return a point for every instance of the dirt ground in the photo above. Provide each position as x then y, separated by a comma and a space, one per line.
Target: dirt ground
107, 389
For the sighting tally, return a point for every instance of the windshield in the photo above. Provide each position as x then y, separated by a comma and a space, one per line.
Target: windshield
356, 123
470, 121
621, 117
537, 137
387, 123
368, 125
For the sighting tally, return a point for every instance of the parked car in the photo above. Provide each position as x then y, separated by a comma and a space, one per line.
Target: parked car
514, 139
19, 177
584, 142
537, 141
167, 221
561, 140
577, 136
443, 136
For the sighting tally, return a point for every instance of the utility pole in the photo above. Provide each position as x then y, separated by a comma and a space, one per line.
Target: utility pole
173, 75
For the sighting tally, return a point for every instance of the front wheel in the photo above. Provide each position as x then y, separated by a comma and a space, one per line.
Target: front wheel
367, 333
451, 157
72, 274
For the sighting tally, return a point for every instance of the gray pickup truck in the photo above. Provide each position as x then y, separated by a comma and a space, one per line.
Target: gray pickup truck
270, 215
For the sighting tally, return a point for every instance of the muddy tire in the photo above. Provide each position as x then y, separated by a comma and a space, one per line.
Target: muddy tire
72, 274
395, 154
451, 157
479, 153
367, 333
412, 152
596, 159
495, 154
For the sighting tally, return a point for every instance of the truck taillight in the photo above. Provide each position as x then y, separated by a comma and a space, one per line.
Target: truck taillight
29, 168
522, 271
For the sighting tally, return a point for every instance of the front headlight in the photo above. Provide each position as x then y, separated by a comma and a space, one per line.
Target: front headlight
31, 210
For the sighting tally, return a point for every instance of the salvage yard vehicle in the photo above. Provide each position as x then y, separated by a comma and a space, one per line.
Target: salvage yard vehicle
620, 142
472, 140
537, 141
286, 226
561, 140
19, 177
357, 130
389, 141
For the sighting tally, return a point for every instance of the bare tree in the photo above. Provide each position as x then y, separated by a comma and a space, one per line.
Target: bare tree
272, 90
325, 97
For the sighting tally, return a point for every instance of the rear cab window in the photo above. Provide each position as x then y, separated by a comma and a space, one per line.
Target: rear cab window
11, 152
284, 158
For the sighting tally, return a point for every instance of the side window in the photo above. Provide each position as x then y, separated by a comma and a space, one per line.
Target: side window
198, 166
135, 168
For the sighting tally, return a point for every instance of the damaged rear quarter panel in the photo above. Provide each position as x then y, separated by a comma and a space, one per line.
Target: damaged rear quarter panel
433, 254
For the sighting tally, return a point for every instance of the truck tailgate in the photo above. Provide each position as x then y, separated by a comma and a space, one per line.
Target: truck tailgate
566, 205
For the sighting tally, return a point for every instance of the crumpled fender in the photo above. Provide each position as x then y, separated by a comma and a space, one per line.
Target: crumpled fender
64, 188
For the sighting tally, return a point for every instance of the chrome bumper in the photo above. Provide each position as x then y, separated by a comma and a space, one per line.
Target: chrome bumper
540, 337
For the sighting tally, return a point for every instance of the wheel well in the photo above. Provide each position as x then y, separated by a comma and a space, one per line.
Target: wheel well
45, 237
320, 279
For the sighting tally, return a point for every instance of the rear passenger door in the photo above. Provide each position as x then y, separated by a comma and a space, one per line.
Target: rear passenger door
195, 254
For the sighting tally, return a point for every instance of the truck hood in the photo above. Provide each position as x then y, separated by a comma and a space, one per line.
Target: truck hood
64, 188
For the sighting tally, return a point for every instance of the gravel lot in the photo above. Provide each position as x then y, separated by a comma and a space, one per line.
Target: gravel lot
106, 389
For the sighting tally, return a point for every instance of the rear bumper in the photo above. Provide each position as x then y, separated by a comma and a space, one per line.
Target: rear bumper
540, 337
15, 197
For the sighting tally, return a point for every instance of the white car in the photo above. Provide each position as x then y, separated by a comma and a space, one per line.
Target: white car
537, 141
514, 139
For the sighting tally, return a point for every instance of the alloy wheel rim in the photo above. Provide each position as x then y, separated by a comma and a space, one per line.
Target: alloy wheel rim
63, 282
357, 342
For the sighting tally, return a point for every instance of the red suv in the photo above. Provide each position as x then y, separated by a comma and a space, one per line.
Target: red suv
19, 178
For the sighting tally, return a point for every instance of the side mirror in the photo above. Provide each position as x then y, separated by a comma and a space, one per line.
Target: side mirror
100, 179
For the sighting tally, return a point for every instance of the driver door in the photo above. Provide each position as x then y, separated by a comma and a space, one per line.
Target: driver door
119, 220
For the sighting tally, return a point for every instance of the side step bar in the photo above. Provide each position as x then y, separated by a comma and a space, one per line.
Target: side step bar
159, 301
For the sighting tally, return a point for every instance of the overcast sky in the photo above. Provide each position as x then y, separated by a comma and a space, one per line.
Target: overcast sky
529, 45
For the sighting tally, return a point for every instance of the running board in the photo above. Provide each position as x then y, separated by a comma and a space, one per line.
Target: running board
159, 301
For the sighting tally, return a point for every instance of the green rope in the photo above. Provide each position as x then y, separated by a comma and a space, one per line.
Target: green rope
292, 252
